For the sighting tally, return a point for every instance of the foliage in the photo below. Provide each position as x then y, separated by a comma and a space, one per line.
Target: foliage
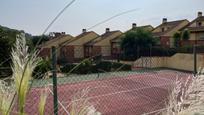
7, 40
83, 68
43, 67
136, 40
102, 66
41, 39
23, 66
161, 51
177, 38
185, 35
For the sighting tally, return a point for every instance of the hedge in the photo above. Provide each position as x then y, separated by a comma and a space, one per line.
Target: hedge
88, 67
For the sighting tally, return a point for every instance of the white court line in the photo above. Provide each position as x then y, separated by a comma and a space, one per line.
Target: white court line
119, 92
124, 91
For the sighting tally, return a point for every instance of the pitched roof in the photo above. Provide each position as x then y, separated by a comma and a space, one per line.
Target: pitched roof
54, 40
81, 36
201, 18
171, 25
102, 37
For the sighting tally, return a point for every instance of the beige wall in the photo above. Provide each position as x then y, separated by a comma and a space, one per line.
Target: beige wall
197, 36
178, 61
106, 50
78, 52
192, 36
195, 24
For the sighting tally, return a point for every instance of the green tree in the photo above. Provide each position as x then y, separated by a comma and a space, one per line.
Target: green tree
41, 39
7, 40
177, 38
135, 40
185, 35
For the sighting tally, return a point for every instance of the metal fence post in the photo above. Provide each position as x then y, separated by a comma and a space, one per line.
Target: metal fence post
195, 60
54, 78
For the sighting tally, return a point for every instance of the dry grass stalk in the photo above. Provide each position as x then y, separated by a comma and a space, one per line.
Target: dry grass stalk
80, 104
187, 98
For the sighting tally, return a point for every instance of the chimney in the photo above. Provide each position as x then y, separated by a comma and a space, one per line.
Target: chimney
63, 33
134, 25
164, 20
83, 30
57, 34
107, 30
200, 14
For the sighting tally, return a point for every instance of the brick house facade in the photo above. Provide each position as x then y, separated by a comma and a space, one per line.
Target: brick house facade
45, 48
196, 30
74, 50
101, 45
166, 30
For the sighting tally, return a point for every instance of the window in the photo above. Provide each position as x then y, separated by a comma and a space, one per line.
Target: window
163, 29
199, 24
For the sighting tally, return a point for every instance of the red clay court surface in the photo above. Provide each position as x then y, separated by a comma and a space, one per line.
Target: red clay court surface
130, 95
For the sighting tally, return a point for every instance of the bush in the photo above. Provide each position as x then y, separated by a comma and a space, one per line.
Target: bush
160, 51
103, 66
43, 67
89, 67
84, 68
67, 68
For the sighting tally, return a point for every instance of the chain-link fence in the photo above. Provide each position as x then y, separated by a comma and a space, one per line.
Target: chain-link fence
106, 88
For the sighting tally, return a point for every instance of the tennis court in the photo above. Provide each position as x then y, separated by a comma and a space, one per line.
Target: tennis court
128, 94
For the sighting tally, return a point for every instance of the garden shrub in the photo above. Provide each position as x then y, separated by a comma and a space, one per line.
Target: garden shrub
82, 68
67, 68
160, 51
89, 67
103, 66
43, 67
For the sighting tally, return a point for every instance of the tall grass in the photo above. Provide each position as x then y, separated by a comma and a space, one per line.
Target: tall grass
6, 95
23, 65
187, 98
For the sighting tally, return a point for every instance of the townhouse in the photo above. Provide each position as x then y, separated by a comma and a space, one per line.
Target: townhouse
115, 43
58, 40
166, 30
102, 44
196, 30
73, 50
